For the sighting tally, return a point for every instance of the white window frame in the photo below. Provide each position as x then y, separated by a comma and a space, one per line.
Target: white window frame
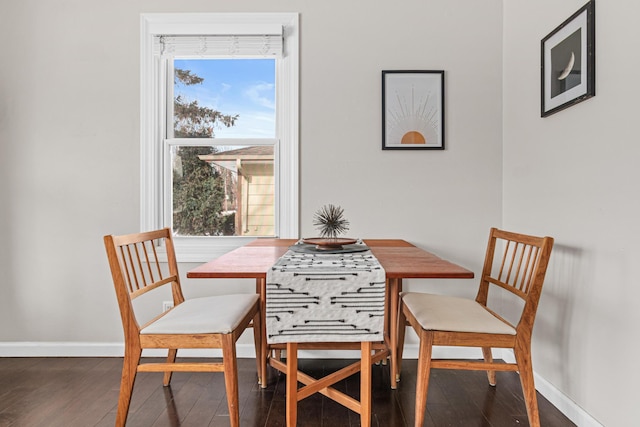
153, 199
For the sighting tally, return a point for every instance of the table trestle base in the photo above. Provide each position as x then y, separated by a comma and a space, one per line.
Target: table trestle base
323, 385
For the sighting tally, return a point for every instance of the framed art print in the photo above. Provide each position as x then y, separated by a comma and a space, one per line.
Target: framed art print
568, 62
413, 110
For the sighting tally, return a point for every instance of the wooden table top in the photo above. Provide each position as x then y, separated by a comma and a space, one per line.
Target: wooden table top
400, 260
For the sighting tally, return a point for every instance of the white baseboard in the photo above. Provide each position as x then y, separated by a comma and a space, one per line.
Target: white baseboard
81, 349
557, 398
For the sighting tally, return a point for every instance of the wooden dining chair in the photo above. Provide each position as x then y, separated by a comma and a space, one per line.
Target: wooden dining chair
208, 322
515, 263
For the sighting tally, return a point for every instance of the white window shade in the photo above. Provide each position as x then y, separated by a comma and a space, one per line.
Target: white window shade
253, 45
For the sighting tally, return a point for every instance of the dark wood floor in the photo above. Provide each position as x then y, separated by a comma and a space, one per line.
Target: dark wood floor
84, 391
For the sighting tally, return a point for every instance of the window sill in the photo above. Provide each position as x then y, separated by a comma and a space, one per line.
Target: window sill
203, 249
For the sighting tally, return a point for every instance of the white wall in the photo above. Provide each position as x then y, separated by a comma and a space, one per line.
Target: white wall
69, 126
574, 175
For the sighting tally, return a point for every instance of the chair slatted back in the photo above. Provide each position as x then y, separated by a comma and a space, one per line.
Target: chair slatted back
137, 268
516, 263
142, 266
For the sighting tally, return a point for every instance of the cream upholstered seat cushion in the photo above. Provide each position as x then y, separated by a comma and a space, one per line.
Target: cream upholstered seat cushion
207, 315
453, 314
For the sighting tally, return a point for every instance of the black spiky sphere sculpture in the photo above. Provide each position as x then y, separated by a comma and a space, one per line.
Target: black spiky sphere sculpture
330, 221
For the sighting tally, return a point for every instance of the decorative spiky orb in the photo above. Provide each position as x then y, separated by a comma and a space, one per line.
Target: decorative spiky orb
330, 222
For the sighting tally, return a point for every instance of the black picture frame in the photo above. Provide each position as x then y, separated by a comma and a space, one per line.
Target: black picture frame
413, 109
568, 62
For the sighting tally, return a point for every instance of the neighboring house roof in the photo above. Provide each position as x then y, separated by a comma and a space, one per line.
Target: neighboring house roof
256, 152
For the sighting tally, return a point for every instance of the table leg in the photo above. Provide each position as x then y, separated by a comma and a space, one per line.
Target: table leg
292, 384
387, 322
395, 287
365, 384
261, 289
401, 326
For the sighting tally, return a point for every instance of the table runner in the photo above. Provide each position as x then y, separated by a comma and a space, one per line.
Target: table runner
325, 297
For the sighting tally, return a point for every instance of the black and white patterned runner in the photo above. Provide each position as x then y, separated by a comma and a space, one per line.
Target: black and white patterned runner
321, 297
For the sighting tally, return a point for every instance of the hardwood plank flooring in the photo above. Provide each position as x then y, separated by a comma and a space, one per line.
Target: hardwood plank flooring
82, 392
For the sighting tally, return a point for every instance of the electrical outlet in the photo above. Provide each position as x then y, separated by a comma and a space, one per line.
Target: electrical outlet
167, 305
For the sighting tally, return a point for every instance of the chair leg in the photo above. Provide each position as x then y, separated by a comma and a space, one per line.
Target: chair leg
171, 358
488, 357
231, 377
424, 371
523, 358
129, 370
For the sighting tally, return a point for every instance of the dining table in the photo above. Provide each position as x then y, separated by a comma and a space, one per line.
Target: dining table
399, 259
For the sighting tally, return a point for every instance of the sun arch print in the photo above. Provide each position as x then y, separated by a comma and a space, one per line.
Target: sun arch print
413, 110
414, 120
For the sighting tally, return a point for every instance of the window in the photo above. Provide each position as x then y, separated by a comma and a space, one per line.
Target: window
219, 189
219, 129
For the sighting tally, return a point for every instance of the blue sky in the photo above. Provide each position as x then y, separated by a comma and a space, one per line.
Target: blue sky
235, 86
